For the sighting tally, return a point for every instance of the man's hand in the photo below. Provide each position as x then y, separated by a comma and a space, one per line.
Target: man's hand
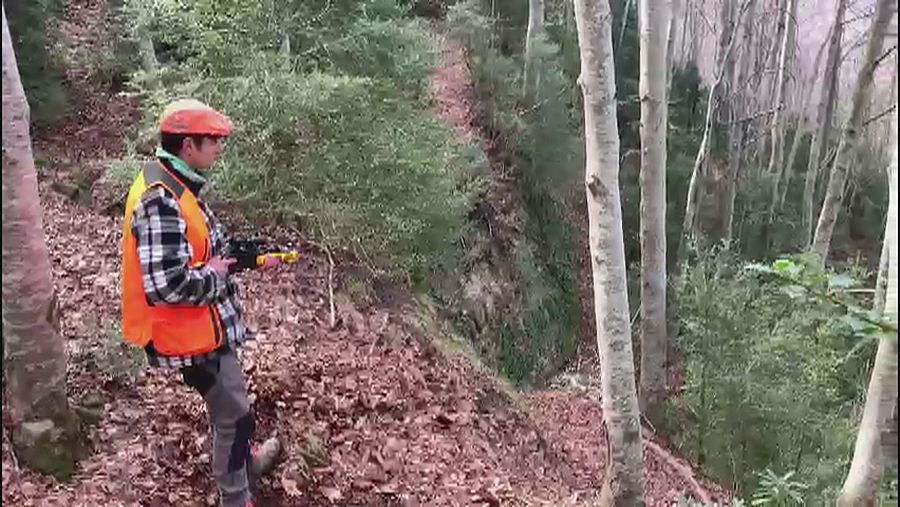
220, 265
270, 262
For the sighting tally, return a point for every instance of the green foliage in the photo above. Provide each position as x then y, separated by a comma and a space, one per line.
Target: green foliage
40, 73
804, 279
772, 380
889, 492
778, 490
543, 135
332, 133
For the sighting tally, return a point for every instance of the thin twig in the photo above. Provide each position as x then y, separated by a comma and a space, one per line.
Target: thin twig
880, 115
753, 116
331, 285
12, 451
884, 55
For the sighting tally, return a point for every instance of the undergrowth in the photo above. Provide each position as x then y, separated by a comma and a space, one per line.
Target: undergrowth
333, 128
773, 382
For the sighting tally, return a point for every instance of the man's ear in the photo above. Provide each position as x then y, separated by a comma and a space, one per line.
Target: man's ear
188, 142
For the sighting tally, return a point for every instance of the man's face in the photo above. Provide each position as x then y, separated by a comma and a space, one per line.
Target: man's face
201, 156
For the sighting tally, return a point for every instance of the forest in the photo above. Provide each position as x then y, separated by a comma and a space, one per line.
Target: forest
533, 252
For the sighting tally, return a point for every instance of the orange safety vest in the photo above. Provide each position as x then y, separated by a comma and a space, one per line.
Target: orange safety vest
176, 329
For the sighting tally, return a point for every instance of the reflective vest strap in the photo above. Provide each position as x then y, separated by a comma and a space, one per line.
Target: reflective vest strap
154, 173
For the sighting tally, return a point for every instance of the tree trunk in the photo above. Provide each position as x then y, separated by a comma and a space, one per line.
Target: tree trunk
824, 114
623, 481
671, 35
533, 34
149, 64
777, 129
772, 53
625, 12
737, 130
850, 136
881, 280
685, 18
729, 31
862, 482
690, 226
802, 126
34, 355
788, 169
653, 17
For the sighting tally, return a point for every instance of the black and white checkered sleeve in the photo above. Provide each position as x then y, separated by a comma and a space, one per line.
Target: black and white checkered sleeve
165, 255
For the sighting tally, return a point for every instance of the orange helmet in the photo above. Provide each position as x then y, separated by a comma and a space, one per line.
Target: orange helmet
192, 117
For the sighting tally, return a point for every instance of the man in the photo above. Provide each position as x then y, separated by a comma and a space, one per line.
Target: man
178, 300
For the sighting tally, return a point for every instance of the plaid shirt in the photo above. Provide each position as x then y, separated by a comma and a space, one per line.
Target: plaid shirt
165, 255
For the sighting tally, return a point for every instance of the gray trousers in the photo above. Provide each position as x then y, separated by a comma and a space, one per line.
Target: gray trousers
221, 384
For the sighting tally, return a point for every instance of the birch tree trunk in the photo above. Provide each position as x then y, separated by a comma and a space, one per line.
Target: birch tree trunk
690, 226
737, 130
34, 356
861, 485
535, 31
802, 127
671, 35
824, 114
623, 481
850, 135
653, 24
777, 129
685, 18
772, 53
881, 280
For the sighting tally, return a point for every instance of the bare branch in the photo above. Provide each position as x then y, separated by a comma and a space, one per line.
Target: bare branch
880, 115
865, 15
885, 55
753, 116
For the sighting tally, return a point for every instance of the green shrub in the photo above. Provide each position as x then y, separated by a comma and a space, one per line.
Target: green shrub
41, 75
771, 380
356, 165
387, 51
333, 133
545, 142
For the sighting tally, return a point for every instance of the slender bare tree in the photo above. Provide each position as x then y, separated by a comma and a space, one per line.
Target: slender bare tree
690, 226
623, 481
532, 35
671, 36
653, 24
776, 130
824, 115
850, 135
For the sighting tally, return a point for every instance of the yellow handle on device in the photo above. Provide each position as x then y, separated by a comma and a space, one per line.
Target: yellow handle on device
286, 257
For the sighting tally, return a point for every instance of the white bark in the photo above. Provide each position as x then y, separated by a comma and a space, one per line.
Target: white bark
881, 280
850, 135
861, 485
653, 17
776, 129
532, 35
802, 127
623, 482
671, 36
824, 114
690, 226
